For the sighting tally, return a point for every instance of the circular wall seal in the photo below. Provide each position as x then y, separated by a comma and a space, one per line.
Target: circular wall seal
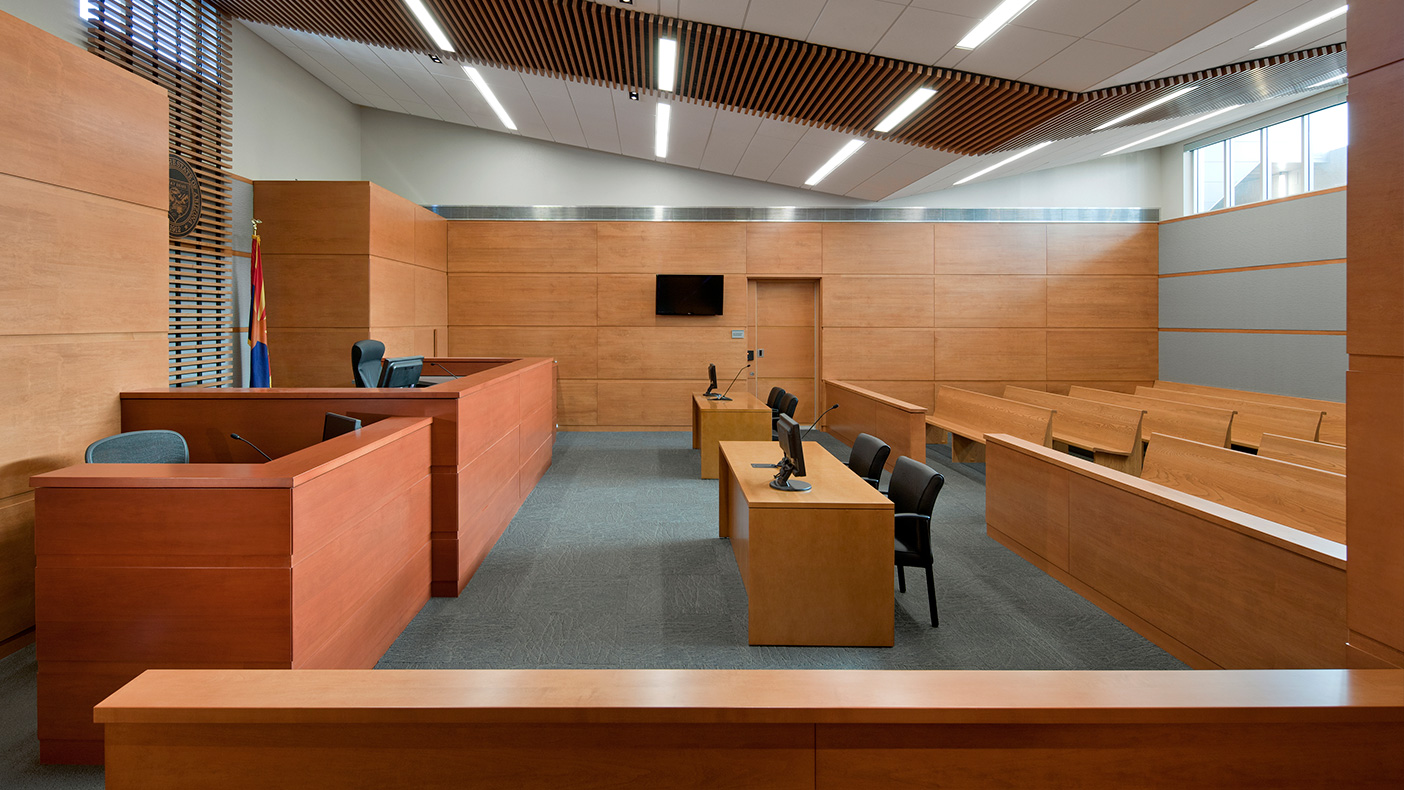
186, 202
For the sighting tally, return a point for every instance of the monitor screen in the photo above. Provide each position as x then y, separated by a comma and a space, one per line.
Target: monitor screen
688, 294
334, 425
793, 464
711, 378
401, 372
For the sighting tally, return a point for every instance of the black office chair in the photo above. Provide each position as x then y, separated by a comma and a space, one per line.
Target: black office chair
913, 490
366, 356
868, 456
139, 447
773, 401
788, 404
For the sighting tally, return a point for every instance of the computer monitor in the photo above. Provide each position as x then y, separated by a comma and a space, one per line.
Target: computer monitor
793, 462
711, 380
334, 425
401, 372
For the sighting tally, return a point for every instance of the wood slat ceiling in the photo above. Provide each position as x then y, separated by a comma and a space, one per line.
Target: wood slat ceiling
776, 77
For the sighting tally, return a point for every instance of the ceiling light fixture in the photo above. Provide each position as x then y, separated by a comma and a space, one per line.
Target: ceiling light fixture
1328, 81
1172, 129
998, 165
435, 58
849, 149
905, 109
660, 130
482, 86
1003, 14
667, 63
426, 21
1305, 26
1162, 100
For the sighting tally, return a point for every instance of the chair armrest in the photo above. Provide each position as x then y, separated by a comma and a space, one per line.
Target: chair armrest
870, 481
911, 517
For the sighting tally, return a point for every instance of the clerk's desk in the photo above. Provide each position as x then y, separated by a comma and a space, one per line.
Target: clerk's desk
744, 418
817, 564
491, 439
317, 559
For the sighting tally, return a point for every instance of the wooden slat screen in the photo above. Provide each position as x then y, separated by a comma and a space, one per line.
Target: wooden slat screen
184, 46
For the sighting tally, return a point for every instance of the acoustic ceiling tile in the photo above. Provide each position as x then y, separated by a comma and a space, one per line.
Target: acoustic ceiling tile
691, 131
915, 164
854, 24
762, 156
1015, 51
788, 18
1084, 63
1071, 18
727, 13
871, 159
552, 101
594, 108
923, 36
730, 136
636, 121
1153, 25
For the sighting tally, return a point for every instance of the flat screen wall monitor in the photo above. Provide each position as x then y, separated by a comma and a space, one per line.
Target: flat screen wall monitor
688, 294
334, 425
711, 380
793, 462
401, 372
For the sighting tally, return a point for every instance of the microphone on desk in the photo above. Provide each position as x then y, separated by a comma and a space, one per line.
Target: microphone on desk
733, 382
251, 444
816, 421
444, 369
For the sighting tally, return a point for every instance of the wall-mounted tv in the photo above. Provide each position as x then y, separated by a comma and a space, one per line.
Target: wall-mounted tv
688, 294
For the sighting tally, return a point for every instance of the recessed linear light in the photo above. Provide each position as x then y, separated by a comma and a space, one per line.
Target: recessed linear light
905, 109
1327, 81
849, 149
1003, 14
660, 130
667, 63
426, 21
1305, 26
1172, 129
482, 86
997, 166
1162, 100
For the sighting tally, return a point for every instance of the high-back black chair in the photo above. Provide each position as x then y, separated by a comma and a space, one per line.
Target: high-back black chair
365, 362
868, 456
139, 447
773, 401
913, 490
788, 404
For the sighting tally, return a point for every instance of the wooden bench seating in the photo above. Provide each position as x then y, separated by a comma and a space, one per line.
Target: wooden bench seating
1199, 423
1111, 433
1301, 497
1333, 425
1330, 457
967, 416
1253, 418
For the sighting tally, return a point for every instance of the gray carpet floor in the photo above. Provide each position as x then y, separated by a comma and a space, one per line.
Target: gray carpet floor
613, 561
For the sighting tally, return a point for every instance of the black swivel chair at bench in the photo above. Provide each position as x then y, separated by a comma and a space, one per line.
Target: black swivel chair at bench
913, 490
366, 356
868, 456
773, 401
139, 447
788, 404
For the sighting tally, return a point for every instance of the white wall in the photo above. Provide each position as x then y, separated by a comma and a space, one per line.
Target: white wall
56, 17
1126, 181
287, 124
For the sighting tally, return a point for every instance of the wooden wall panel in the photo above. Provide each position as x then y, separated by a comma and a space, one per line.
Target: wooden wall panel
1103, 301
579, 403
430, 298
547, 247
789, 352
865, 354
785, 302
430, 239
986, 300
392, 288
392, 225
869, 248
853, 300
667, 353
1077, 248
575, 348
630, 300
672, 247
340, 283
991, 248
920, 393
627, 402
16, 566
314, 357
991, 354
522, 300
1106, 354
784, 248
313, 217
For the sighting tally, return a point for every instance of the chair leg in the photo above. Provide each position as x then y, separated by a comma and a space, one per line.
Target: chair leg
931, 596
901, 578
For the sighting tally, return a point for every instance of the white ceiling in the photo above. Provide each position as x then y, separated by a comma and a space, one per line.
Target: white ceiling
1072, 44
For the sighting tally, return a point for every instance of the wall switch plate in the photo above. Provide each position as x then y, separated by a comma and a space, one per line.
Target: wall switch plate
750, 355
738, 334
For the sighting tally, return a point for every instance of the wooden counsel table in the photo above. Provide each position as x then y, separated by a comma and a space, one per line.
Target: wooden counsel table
744, 418
817, 564
314, 560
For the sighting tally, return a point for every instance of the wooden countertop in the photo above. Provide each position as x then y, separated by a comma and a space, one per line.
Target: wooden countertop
834, 484
743, 401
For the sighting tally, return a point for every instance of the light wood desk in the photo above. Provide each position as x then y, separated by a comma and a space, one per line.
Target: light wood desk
745, 418
817, 564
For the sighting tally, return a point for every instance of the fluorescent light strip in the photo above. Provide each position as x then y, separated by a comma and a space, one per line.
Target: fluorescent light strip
667, 63
426, 21
1305, 26
1019, 155
1328, 81
1172, 129
1177, 94
849, 149
491, 98
905, 109
998, 18
660, 130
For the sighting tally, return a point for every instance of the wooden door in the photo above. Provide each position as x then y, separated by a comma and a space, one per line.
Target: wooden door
783, 317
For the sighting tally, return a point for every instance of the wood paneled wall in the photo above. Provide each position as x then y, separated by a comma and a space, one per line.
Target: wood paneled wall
904, 307
83, 181
345, 261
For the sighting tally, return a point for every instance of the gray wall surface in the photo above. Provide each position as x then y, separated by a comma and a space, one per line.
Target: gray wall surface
1288, 303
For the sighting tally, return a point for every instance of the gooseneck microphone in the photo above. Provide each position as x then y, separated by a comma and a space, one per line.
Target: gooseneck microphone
733, 382
444, 369
816, 421
251, 444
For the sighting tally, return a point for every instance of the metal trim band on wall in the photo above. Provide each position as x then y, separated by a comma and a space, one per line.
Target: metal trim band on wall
792, 214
